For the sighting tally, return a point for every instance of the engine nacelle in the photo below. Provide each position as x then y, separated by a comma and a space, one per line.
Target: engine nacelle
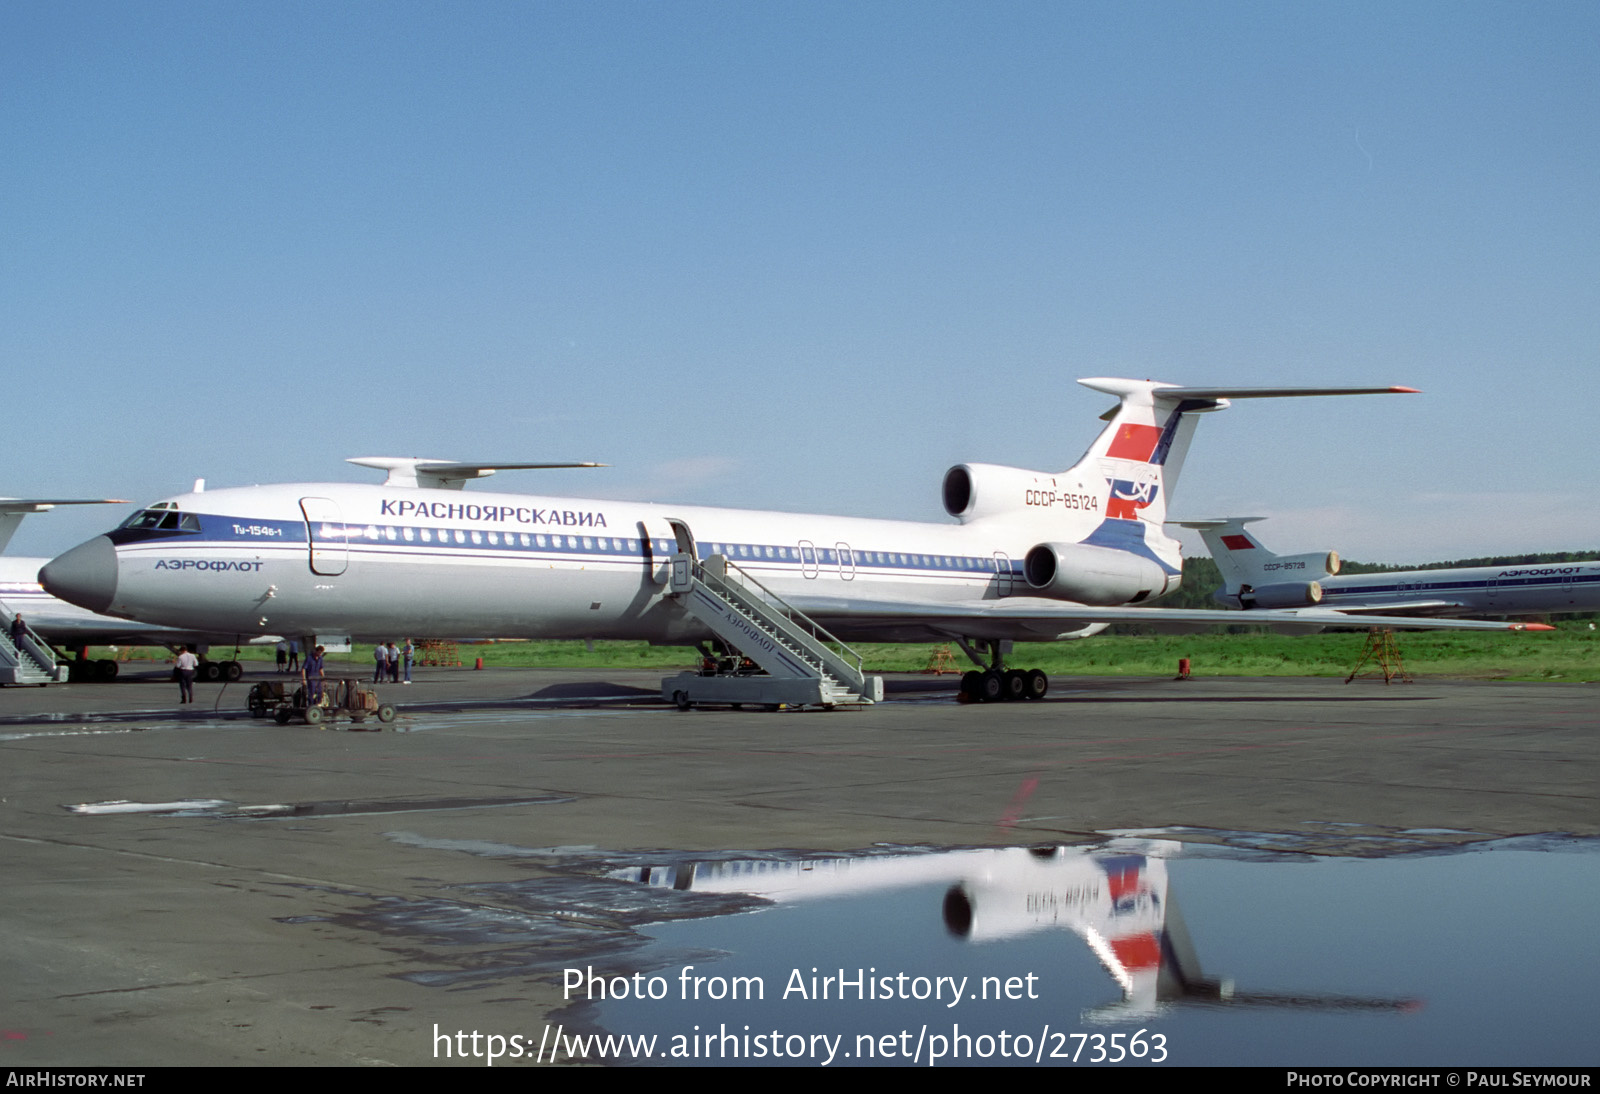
1099, 576
1292, 594
975, 490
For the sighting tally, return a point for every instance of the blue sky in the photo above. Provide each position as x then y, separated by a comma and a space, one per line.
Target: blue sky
808, 255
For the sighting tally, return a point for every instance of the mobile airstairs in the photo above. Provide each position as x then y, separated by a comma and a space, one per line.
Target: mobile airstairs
787, 659
33, 663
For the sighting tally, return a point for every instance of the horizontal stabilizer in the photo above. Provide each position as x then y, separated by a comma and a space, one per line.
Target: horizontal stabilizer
445, 474
1277, 392
1214, 522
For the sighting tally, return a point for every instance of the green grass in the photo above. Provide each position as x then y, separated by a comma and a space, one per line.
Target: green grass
1571, 653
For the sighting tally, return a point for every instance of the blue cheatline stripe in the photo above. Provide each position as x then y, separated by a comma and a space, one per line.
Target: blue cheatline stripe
1415, 588
427, 541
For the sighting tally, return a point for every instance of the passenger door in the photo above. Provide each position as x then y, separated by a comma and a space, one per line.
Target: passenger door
327, 536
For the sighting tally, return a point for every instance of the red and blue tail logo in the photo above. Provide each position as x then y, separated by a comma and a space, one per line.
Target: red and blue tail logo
1127, 498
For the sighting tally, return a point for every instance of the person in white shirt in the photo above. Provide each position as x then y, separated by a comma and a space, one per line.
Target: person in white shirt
188, 665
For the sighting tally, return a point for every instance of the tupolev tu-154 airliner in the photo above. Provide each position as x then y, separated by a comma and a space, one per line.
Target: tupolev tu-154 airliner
1031, 556
1253, 577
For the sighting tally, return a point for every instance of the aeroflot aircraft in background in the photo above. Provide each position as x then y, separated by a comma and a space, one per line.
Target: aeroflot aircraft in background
1032, 555
1254, 577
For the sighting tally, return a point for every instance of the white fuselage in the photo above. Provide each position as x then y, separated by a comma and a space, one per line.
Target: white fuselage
1534, 589
376, 562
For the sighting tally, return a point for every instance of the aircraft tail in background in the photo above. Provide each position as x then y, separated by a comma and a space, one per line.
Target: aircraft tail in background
1254, 577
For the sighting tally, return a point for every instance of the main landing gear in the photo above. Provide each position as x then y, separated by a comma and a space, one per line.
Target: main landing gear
998, 683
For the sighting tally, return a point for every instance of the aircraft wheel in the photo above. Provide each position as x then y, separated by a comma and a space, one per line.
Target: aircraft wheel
211, 672
232, 670
991, 687
1016, 684
385, 713
681, 698
771, 707
1037, 684
281, 716
105, 670
970, 683
313, 716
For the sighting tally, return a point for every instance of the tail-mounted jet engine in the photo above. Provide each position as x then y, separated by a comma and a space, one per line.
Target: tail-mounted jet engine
1291, 594
1099, 576
975, 490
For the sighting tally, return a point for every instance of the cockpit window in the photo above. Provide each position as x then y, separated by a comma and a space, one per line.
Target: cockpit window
164, 518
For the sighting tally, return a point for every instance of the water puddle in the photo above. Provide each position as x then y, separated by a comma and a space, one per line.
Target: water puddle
218, 808
1138, 950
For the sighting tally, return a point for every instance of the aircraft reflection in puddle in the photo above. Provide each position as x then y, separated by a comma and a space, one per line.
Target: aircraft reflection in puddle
1116, 897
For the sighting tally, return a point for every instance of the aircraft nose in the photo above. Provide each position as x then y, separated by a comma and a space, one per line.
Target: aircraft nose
85, 576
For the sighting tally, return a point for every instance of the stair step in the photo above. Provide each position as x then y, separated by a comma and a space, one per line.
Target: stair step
788, 629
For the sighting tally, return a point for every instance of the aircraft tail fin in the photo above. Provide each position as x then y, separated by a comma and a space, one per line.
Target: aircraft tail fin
1142, 449
1249, 569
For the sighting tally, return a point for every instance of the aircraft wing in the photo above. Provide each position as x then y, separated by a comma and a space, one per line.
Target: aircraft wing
1407, 607
12, 510
1024, 617
39, 505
